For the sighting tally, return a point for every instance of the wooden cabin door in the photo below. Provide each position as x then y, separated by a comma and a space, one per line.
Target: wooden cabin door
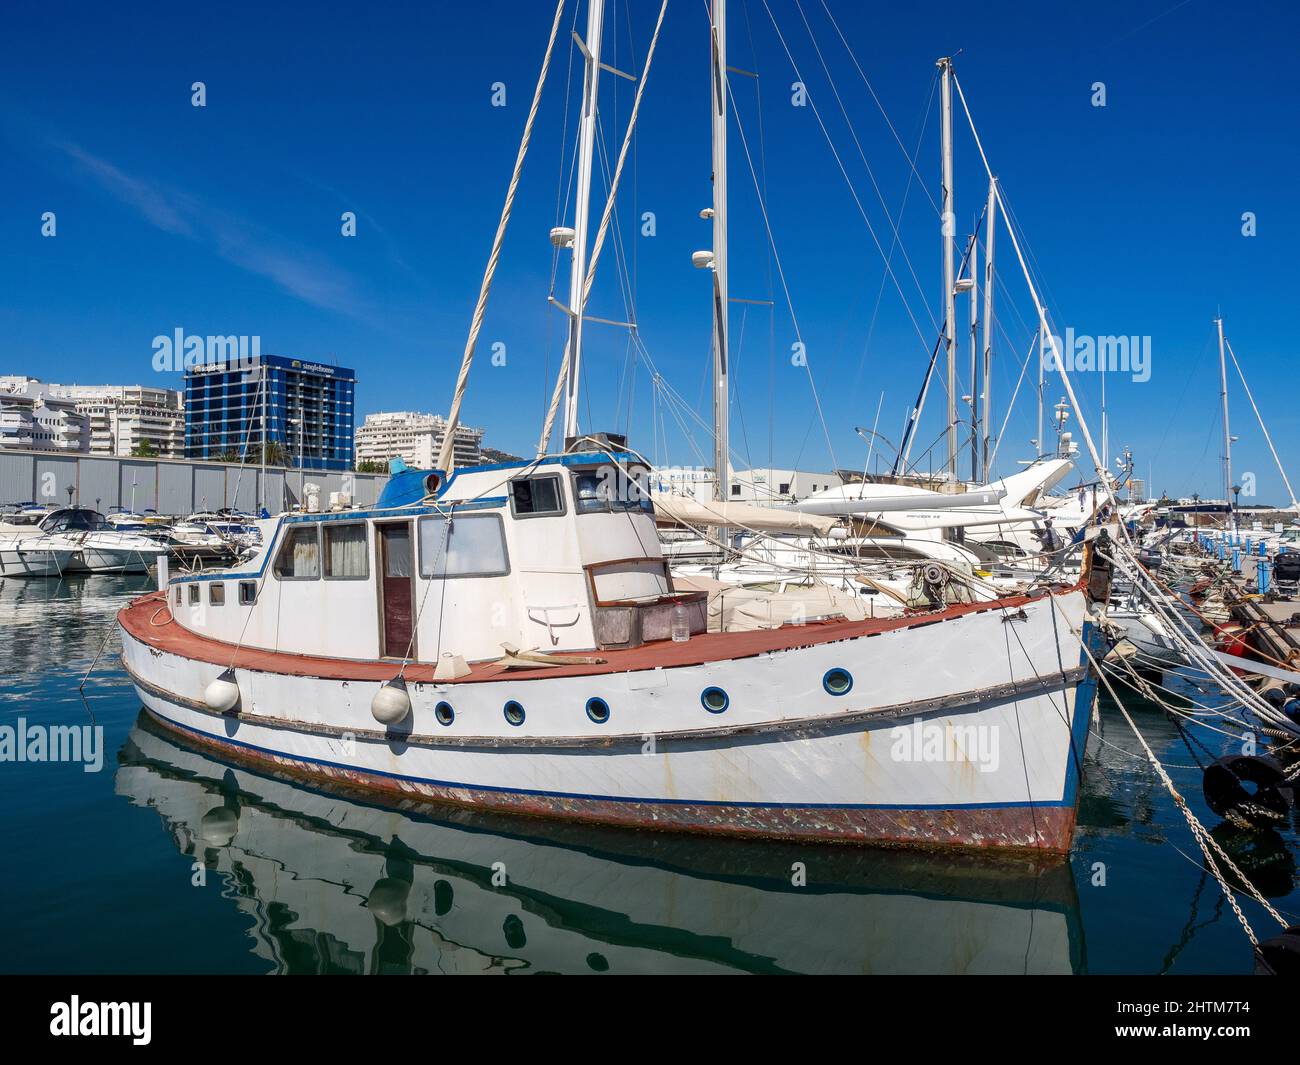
396, 583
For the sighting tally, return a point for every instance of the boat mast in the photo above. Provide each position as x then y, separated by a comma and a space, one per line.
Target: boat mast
949, 220
1227, 439
582, 206
1042, 357
975, 372
721, 390
1105, 425
987, 383
261, 481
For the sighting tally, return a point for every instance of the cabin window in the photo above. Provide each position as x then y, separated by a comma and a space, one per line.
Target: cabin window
472, 545
194, 594
536, 496
785, 488
612, 489
299, 557
735, 489
345, 551
217, 593
247, 593
178, 595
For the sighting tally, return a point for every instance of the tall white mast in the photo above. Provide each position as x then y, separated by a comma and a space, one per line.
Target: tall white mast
1105, 425
987, 383
1042, 358
261, 369
721, 393
582, 206
949, 219
1227, 439
973, 270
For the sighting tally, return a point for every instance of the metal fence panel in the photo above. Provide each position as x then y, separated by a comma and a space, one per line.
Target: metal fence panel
138, 485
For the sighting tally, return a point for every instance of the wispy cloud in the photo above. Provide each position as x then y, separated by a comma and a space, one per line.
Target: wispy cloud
151, 202
299, 272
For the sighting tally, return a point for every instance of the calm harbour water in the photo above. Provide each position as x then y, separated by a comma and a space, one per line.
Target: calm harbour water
168, 860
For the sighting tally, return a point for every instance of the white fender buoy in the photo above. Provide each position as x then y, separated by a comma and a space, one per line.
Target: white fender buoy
223, 693
391, 703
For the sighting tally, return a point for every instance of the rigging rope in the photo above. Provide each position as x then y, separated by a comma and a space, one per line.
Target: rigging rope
446, 456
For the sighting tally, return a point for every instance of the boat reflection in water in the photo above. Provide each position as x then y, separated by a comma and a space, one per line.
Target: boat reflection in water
333, 883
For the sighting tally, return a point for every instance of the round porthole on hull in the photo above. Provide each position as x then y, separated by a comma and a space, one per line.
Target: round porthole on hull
444, 713
514, 713
838, 681
714, 700
598, 710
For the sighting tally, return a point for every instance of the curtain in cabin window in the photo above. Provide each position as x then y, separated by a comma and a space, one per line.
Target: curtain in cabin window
345, 551
300, 556
397, 551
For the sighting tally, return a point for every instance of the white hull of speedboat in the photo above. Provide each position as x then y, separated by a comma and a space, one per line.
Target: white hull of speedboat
20, 561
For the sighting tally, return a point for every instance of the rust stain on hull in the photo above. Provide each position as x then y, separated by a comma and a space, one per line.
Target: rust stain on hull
1044, 830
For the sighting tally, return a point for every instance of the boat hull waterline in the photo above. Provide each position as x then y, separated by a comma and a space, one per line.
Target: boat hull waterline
938, 742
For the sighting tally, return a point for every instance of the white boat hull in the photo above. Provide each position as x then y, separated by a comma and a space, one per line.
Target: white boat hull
966, 732
36, 562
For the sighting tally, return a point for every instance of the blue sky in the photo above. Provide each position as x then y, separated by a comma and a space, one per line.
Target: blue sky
226, 219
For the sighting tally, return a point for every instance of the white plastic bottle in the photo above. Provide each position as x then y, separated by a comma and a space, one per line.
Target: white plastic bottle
681, 624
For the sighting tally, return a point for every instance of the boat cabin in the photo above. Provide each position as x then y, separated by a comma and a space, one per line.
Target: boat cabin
559, 554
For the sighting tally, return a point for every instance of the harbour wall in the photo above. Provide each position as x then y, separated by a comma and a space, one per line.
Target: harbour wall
169, 486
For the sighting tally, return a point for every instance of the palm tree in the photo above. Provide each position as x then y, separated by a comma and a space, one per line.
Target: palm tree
275, 453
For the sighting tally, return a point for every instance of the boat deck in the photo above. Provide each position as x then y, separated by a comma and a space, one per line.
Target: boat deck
149, 620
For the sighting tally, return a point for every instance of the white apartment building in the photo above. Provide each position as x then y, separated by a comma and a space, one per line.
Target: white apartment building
123, 417
745, 486
415, 438
778, 486
33, 419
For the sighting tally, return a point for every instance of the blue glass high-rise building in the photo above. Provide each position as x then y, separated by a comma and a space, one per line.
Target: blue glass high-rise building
232, 407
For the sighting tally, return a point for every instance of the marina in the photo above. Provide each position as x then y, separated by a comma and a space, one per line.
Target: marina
578, 899
700, 677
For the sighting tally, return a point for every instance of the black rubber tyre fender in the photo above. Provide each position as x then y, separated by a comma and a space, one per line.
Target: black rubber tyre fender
1226, 794
1279, 956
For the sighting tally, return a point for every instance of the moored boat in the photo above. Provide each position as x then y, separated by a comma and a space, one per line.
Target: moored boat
368, 647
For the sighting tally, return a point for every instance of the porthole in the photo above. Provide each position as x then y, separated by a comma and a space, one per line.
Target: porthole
444, 713
514, 713
838, 681
598, 710
714, 700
